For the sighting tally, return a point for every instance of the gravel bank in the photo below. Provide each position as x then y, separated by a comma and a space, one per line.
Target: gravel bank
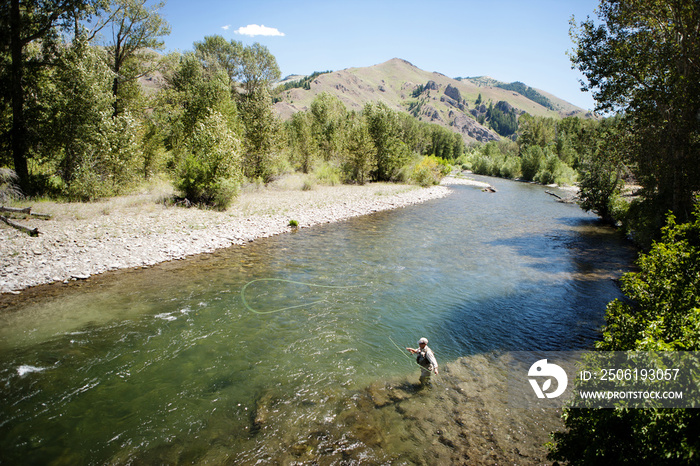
135, 231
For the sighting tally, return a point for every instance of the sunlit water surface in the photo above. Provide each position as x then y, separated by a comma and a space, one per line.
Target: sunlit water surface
172, 365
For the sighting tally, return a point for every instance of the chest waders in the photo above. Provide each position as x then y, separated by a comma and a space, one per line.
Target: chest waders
422, 360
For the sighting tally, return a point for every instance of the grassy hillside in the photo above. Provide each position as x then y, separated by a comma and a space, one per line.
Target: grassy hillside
429, 96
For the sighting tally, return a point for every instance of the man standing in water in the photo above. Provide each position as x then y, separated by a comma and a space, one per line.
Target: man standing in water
425, 359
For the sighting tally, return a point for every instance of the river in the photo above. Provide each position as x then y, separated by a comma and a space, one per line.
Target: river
289, 349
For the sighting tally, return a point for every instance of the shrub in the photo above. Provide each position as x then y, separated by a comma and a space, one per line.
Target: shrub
328, 173
8, 187
211, 171
430, 170
510, 168
531, 162
481, 165
661, 313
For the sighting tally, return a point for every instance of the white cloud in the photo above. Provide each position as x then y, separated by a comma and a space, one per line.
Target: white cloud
255, 30
225, 28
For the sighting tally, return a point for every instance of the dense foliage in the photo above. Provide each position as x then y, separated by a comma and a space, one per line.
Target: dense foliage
303, 83
640, 60
527, 91
547, 151
28, 39
502, 118
662, 313
77, 123
376, 144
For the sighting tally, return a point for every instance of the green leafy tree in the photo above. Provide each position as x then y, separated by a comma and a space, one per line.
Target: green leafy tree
384, 128
640, 59
204, 133
192, 95
665, 311
215, 52
211, 169
532, 159
601, 172
328, 119
259, 68
135, 29
444, 143
253, 66
95, 154
415, 134
662, 314
21, 25
301, 140
261, 130
536, 131
361, 153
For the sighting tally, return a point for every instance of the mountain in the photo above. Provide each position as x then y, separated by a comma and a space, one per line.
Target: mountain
428, 96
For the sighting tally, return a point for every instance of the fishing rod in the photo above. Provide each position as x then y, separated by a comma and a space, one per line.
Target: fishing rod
409, 357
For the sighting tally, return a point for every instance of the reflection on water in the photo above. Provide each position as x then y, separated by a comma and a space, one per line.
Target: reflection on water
169, 365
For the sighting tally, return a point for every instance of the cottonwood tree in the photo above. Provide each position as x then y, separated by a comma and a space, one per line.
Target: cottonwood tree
21, 24
252, 66
135, 28
204, 133
601, 171
261, 128
361, 154
259, 68
328, 115
301, 141
640, 59
384, 128
215, 52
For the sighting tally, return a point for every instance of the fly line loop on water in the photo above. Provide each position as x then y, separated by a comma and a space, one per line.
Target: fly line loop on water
282, 280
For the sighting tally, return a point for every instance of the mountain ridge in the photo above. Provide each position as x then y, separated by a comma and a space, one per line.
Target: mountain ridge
427, 95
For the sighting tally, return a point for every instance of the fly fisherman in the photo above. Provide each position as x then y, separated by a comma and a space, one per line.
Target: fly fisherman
425, 359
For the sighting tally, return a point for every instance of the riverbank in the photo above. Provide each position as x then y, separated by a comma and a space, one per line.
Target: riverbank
141, 230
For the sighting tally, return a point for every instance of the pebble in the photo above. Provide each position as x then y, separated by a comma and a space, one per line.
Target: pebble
77, 249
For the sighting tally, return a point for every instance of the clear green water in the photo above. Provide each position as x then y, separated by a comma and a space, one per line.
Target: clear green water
167, 365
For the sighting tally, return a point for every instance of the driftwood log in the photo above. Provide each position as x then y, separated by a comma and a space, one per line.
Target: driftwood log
565, 200
29, 231
25, 211
21, 211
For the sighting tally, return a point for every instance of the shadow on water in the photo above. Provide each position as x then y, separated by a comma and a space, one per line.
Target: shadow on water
562, 312
595, 249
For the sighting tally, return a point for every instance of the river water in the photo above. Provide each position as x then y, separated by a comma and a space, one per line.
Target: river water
289, 349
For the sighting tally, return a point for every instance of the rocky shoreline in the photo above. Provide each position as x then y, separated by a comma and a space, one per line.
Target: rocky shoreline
139, 231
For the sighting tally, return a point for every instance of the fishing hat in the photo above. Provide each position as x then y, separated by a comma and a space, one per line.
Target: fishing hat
423, 340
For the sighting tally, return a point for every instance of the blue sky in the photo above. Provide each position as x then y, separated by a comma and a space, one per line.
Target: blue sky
509, 40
